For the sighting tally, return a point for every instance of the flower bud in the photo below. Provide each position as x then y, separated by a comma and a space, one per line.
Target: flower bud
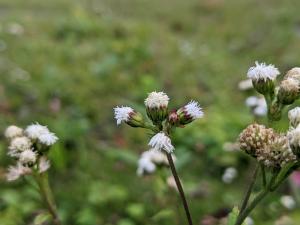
294, 140
294, 117
263, 77
289, 90
173, 118
157, 107
129, 116
189, 113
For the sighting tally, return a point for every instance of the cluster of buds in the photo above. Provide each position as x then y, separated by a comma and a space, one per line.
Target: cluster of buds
267, 146
162, 119
29, 147
264, 77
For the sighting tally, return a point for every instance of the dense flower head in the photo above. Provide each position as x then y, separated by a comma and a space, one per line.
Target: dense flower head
44, 164
27, 157
294, 117
193, 110
289, 90
41, 133
14, 172
19, 144
261, 71
161, 142
276, 154
294, 73
13, 131
122, 114
157, 100
255, 137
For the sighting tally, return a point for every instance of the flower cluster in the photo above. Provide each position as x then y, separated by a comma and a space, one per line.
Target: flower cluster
267, 146
29, 147
162, 119
264, 77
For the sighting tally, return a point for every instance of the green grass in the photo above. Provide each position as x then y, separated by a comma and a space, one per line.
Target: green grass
89, 56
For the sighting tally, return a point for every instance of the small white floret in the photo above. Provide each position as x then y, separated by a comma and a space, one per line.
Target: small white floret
44, 164
122, 114
27, 156
13, 131
157, 100
194, 110
294, 116
161, 142
19, 144
261, 71
14, 172
41, 133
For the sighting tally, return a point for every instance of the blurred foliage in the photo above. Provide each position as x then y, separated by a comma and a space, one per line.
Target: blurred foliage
68, 63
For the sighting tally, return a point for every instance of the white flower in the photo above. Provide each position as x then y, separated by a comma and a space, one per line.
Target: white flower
245, 85
294, 137
229, 174
162, 142
249, 221
122, 114
44, 164
251, 101
27, 156
193, 110
157, 100
19, 144
260, 111
48, 138
145, 165
261, 71
14, 172
294, 116
41, 133
13, 131
288, 202
34, 131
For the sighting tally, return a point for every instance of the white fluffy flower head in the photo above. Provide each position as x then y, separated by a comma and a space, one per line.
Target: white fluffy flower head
162, 142
122, 114
41, 133
27, 156
261, 71
294, 116
194, 110
13, 131
157, 100
14, 172
20, 144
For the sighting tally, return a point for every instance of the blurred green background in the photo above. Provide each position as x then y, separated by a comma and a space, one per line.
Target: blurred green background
66, 64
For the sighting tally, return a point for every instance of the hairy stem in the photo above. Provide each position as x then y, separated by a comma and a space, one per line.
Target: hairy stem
46, 194
249, 190
180, 189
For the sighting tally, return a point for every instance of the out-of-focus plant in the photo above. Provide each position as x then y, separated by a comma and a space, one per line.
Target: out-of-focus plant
29, 148
163, 123
277, 154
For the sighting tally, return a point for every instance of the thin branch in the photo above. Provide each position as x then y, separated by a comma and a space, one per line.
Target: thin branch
180, 189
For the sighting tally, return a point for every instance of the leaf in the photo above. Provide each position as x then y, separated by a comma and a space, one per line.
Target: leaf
42, 218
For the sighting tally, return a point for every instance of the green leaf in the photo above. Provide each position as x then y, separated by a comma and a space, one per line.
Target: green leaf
232, 217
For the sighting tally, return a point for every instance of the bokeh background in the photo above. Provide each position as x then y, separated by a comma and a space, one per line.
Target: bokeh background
66, 64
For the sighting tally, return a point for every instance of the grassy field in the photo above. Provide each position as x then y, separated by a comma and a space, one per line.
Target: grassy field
68, 63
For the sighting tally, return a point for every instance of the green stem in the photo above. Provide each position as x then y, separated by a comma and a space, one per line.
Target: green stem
180, 189
249, 190
46, 194
263, 173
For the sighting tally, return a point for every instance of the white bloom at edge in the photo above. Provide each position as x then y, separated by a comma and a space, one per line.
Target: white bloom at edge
13, 131
251, 101
288, 202
294, 116
48, 138
157, 100
41, 133
162, 142
194, 110
229, 174
122, 114
44, 164
14, 172
19, 144
260, 111
294, 136
27, 156
261, 71
249, 221
245, 85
